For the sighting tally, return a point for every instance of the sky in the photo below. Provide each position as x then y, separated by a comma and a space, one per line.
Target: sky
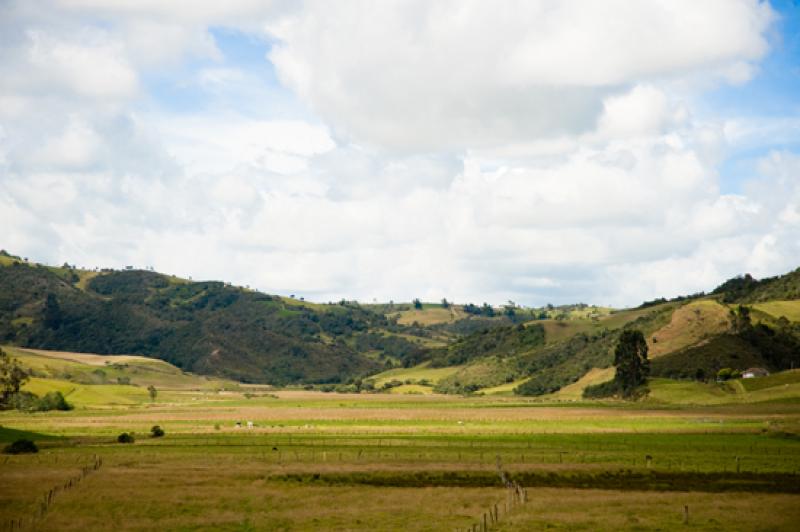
534, 151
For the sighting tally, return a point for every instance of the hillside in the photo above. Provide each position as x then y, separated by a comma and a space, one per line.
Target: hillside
688, 338
205, 327
747, 289
103, 381
213, 328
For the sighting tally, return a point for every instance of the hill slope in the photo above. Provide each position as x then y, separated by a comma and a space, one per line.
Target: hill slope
204, 327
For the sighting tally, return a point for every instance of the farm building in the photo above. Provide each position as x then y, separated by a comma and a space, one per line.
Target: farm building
751, 373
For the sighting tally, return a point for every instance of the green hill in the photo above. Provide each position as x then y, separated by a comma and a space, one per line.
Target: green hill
89, 380
213, 328
747, 289
204, 327
780, 386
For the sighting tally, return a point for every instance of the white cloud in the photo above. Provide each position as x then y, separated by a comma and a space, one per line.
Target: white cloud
434, 75
93, 67
533, 151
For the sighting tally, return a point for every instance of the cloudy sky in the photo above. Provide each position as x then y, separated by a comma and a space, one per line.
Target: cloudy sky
538, 151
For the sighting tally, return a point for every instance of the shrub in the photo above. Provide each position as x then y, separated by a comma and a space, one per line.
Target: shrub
22, 446
125, 438
53, 401
156, 431
602, 390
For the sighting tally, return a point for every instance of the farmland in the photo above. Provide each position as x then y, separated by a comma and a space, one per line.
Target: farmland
311, 459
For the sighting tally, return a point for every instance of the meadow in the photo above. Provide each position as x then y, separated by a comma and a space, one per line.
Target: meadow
317, 461
238, 457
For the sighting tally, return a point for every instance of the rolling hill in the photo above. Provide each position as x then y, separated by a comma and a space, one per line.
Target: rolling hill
213, 328
204, 327
89, 380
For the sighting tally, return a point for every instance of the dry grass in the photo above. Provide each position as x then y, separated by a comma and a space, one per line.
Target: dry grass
596, 510
690, 325
98, 360
151, 492
430, 316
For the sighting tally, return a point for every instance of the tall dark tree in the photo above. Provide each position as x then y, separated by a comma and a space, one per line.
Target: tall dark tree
417, 304
630, 358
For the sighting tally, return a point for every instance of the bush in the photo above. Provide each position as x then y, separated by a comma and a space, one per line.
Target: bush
30, 402
22, 446
156, 431
602, 390
125, 438
53, 401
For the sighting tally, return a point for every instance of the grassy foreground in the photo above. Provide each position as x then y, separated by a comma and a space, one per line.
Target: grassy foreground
315, 461
702, 456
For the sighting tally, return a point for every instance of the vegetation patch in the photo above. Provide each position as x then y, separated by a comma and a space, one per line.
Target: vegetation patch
622, 480
22, 446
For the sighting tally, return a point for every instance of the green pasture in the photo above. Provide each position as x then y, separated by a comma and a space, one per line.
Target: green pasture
416, 374
788, 309
87, 369
314, 460
376, 461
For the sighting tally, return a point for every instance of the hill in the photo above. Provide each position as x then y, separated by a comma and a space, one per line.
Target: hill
780, 386
89, 380
213, 328
747, 289
204, 327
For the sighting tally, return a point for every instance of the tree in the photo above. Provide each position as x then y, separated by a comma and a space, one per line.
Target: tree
156, 431
445, 303
630, 358
12, 377
52, 312
153, 392
417, 303
740, 319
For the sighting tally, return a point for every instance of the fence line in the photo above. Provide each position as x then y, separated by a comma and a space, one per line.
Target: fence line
49, 498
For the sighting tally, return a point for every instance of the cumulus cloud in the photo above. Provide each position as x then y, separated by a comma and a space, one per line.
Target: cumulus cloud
434, 75
532, 151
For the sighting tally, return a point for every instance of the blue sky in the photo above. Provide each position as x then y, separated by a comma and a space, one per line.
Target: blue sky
396, 150
771, 94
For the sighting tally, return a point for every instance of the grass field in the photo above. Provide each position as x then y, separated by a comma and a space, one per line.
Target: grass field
430, 315
789, 309
574, 391
784, 386
395, 461
81, 371
415, 374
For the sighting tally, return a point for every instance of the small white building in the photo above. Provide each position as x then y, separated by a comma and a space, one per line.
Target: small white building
752, 373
